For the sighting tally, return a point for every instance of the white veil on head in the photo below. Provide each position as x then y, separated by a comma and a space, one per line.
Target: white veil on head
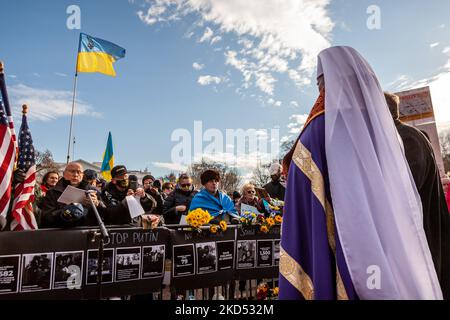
377, 208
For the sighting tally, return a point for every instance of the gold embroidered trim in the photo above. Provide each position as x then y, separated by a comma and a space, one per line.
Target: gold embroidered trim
297, 277
304, 161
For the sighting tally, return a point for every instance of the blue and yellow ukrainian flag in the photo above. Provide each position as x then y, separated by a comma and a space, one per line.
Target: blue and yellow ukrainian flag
108, 160
97, 55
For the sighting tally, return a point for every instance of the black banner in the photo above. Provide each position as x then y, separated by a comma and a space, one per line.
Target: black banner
257, 253
202, 260
62, 264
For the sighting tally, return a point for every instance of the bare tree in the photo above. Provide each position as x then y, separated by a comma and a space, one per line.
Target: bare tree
260, 175
230, 178
44, 161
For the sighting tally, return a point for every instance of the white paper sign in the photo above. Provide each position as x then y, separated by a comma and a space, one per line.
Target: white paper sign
72, 195
246, 207
134, 206
183, 220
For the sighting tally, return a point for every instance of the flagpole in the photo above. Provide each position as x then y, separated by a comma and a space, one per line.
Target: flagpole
71, 117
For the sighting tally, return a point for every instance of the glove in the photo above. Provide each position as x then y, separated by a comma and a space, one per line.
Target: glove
73, 212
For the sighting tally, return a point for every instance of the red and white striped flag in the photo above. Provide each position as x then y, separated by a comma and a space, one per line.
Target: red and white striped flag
22, 211
7, 161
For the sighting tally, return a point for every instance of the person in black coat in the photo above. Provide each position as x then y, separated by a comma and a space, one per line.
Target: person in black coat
59, 215
179, 200
115, 193
275, 188
436, 220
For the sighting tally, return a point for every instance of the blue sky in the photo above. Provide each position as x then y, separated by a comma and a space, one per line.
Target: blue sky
157, 89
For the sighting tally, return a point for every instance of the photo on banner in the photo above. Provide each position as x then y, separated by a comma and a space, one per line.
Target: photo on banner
92, 264
276, 252
246, 254
265, 253
9, 274
183, 260
37, 272
128, 264
68, 265
225, 254
153, 261
206, 257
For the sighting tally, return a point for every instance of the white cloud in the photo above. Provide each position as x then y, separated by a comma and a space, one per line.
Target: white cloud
12, 76
60, 74
216, 39
274, 103
432, 45
207, 35
293, 104
198, 66
170, 166
297, 123
446, 51
244, 162
47, 104
207, 80
286, 36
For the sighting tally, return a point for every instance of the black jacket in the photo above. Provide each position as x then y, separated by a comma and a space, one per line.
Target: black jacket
436, 220
51, 216
176, 198
276, 190
116, 203
158, 197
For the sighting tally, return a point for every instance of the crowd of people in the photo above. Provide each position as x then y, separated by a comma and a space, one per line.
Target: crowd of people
164, 203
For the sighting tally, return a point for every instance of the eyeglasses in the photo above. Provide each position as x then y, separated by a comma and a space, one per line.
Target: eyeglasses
74, 171
184, 185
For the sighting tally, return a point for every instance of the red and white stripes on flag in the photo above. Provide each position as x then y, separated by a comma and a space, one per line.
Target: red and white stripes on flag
22, 212
7, 161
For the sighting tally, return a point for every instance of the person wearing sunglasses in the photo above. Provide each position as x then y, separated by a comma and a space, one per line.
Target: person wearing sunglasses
249, 198
178, 201
167, 188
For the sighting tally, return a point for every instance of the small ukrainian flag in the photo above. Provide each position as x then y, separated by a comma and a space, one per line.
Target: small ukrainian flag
97, 55
108, 160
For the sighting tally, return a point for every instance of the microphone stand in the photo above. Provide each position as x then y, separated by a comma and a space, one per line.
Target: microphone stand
102, 235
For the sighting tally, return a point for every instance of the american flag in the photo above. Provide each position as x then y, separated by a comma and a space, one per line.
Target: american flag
22, 212
8, 158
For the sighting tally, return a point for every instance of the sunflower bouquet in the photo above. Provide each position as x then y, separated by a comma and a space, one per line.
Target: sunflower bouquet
275, 207
198, 217
251, 219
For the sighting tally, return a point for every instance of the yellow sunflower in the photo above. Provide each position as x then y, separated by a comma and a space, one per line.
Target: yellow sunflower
195, 224
223, 225
270, 221
213, 229
278, 219
264, 229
